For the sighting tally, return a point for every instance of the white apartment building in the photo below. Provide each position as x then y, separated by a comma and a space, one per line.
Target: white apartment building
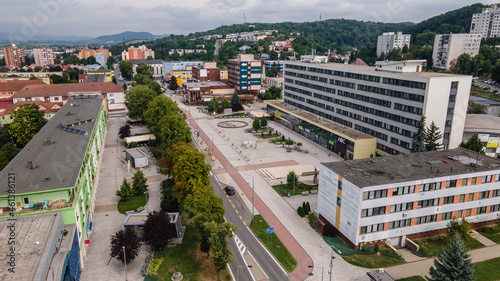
408, 196
389, 41
448, 47
43, 57
486, 23
385, 101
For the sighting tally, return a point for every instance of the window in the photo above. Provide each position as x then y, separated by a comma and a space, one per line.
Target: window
471, 197
496, 193
403, 190
497, 177
448, 200
374, 194
400, 223
495, 208
426, 219
446, 216
338, 201
481, 210
340, 185
428, 203
452, 183
372, 228
484, 194
460, 214
486, 179
462, 198
473, 181
401, 207
373, 212
429, 186
468, 212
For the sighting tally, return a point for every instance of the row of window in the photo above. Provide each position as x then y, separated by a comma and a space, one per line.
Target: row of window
404, 83
292, 88
371, 132
315, 86
320, 113
294, 96
376, 101
391, 93
407, 108
336, 73
401, 143
342, 83
367, 195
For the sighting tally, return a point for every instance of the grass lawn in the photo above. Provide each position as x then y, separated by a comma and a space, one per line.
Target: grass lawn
487, 270
492, 233
274, 245
268, 136
132, 204
372, 261
413, 278
434, 245
283, 189
192, 263
477, 91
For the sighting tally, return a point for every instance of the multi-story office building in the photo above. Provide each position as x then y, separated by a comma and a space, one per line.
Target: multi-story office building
43, 57
448, 47
13, 56
408, 196
385, 101
245, 74
389, 41
486, 23
208, 72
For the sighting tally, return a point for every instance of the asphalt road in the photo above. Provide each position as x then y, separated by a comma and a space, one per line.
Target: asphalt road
238, 214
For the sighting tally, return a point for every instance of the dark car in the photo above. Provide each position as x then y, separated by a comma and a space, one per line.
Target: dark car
229, 190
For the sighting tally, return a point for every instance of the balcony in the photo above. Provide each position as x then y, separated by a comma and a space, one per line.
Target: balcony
36, 208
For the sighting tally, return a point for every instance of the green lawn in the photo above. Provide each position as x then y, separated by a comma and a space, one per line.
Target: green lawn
191, 262
274, 245
487, 270
492, 233
283, 189
435, 244
132, 204
413, 278
268, 136
372, 260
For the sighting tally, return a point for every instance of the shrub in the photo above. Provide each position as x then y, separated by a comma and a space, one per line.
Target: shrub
308, 207
376, 247
151, 277
437, 238
288, 142
329, 231
133, 145
219, 110
300, 211
364, 247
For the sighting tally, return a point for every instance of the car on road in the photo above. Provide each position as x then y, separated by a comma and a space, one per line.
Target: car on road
229, 190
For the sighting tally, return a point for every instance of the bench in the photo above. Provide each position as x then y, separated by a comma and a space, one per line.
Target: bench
315, 191
140, 209
305, 193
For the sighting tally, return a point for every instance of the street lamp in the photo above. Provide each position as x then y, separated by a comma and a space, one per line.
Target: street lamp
116, 181
238, 272
478, 71
125, 262
322, 269
331, 260
12, 141
145, 192
253, 196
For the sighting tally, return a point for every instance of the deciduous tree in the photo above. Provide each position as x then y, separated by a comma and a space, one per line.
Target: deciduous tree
157, 230
157, 109
174, 129
190, 168
219, 233
225, 103
28, 120
292, 179
126, 69
172, 155
124, 131
125, 238
137, 100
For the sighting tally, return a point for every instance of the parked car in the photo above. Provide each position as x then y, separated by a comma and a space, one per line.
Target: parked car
494, 91
229, 190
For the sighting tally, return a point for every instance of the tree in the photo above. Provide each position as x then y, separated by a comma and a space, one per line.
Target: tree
418, 143
256, 124
124, 131
213, 104
237, 107
189, 172
459, 227
139, 183
126, 69
476, 108
168, 202
263, 122
432, 136
153, 85
173, 84
109, 63
204, 200
452, 263
174, 129
7, 153
137, 100
57, 79
157, 109
28, 120
33, 77
157, 230
201, 231
144, 69
275, 92
474, 144
125, 238
125, 192
235, 99
292, 179
225, 103
219, 233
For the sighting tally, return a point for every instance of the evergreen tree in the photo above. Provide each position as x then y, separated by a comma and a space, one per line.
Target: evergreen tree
256, 124
432, 136
292, 179
225, 103
235, 99
213, 104
173, 84
474, 144
139, 183
125, 192
418, 144
453, 263
263, 122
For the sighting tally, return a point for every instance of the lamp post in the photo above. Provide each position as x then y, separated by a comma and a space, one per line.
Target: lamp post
12, 141
331, 260
116, 181
322, 270
238, 272
478, 71
125, 262
253, 196
145, 192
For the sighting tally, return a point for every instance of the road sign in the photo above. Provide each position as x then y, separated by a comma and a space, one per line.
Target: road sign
270, 230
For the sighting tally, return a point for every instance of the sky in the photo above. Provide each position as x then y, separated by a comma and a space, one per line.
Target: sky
102, 17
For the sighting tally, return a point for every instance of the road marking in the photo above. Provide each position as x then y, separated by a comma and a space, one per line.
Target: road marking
237, 211
233, 206
241, 218
268, 252
229, 200
227, 196
244, 223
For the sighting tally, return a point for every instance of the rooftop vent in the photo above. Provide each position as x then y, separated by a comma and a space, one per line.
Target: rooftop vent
31, 166
453, 157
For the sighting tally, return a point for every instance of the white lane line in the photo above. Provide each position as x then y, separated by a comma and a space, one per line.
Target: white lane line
267, 277
265, 248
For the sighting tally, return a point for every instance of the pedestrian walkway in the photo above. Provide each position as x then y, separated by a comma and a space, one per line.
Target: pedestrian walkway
408, 256
483, 240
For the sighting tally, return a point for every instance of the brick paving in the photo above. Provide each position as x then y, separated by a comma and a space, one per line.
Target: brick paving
267, 165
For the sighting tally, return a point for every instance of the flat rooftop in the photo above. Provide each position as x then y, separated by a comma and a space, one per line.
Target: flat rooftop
54, 155
478, 122
338, 129
413, 167
205, 84
28, 230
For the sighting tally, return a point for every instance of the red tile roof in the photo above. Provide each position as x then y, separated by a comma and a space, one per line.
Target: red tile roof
359, 61
49, 106
5, 102
63, 89
16, 85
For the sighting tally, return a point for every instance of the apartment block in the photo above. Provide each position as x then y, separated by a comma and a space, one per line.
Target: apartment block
43, 57
208, 72
13, 56
448, 47
139, 53
408, 196
245, 74
385, 101
486, 23
389, 41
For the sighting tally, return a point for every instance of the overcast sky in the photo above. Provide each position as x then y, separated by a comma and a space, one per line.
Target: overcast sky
101, 17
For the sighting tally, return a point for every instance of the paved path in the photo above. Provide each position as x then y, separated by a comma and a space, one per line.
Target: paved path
483, 240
